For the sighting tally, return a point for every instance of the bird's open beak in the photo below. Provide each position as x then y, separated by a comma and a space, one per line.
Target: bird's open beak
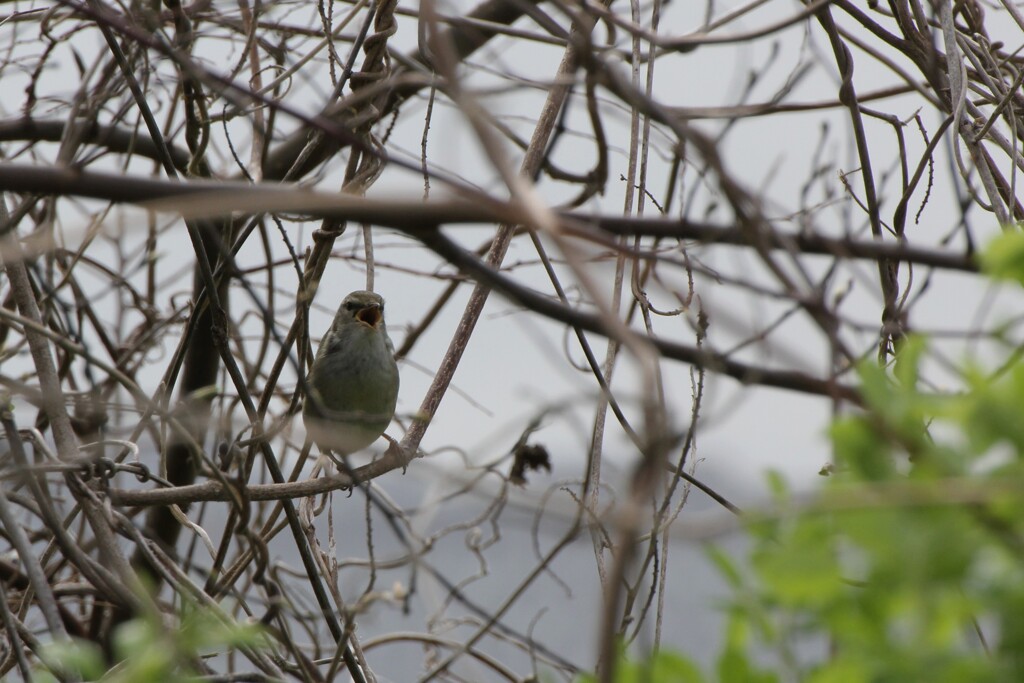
370, 315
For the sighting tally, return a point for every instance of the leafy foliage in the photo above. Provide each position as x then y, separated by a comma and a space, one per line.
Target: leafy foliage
149, 650
909, 566
663, 667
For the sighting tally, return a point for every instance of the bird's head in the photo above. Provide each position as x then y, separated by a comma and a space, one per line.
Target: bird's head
363, 307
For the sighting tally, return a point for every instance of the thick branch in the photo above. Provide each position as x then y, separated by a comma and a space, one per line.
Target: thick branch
418, 218
118, 139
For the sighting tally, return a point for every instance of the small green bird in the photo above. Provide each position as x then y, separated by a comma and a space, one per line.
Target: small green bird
353, 385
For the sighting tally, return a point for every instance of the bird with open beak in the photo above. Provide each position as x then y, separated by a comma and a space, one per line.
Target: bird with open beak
353, 384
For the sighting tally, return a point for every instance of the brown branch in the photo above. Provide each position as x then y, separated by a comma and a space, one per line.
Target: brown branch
216, 491
417, 218
464, 41
550, 308
113, 138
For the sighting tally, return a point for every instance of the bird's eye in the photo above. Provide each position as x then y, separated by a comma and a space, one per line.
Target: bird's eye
352, 306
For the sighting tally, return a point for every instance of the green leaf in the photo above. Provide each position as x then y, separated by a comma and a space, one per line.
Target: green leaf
859, 446
735, 665
725, 566
1003, 258
671, 667
908, 361
78, 656
801, 570
777, 486
841, 670
991, 413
